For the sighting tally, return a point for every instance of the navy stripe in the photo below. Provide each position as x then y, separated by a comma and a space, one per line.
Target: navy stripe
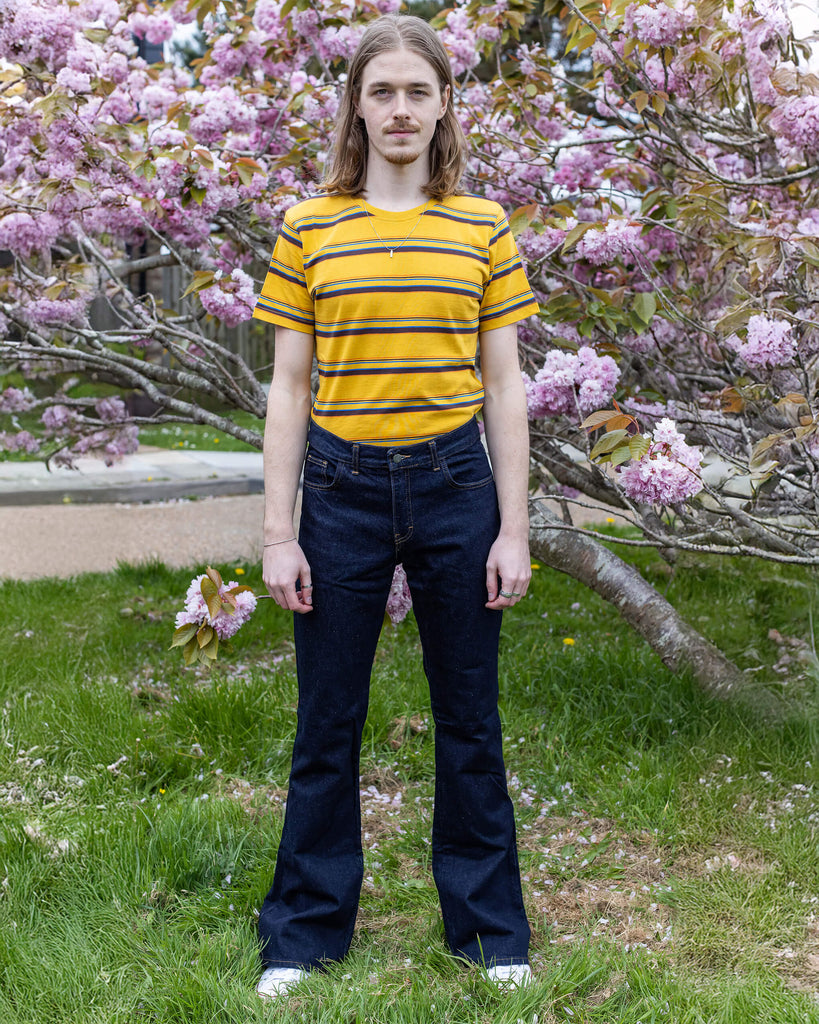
468, 252
320, 225
506, 309
464, 219
427, 407
324, 332
398, 289
391, 369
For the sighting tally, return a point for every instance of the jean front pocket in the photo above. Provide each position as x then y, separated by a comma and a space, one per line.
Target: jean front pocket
321, 473
467, 469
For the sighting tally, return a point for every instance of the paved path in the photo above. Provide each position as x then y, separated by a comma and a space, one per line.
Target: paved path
87, 520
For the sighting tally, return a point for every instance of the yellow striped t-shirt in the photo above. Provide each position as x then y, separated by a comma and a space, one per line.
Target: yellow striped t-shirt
396, 335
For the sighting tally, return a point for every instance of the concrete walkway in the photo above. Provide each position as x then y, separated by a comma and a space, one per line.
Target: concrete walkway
186, 508
152, 474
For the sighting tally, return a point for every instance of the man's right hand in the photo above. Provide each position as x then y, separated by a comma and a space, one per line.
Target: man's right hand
284, 566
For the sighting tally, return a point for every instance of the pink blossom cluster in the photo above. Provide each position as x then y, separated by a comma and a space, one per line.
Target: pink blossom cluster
20, 441
14, 400
619, 239
668, 473
769, 342
112, 443
69, 312
582, 166
58, 418
797, 121
111, 409
225, 626
23, 234
156, 28
761, 26
569, 383
231, 299
460, 40
399, 601
657, 24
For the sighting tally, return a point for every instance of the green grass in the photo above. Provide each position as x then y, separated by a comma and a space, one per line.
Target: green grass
194, 435
668, 843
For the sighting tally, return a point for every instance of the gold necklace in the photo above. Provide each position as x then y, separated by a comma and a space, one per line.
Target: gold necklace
391, 248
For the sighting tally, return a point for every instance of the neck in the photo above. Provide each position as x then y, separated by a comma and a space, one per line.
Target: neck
395, 187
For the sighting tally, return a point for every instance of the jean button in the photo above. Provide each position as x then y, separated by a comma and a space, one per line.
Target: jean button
398, 458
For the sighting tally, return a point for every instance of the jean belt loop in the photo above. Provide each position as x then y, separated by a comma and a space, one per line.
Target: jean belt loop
433, 451
355, 459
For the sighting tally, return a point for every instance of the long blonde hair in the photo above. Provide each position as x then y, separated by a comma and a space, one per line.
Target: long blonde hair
347, 171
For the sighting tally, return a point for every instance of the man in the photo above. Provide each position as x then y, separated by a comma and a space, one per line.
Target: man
392, 275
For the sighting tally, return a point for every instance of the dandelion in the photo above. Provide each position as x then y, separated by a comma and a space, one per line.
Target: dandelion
239, 570
535, 565
568, 641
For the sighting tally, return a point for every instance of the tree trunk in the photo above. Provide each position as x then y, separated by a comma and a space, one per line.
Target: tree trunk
680, 647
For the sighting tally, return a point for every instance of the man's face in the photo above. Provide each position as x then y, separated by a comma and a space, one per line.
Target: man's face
401, 103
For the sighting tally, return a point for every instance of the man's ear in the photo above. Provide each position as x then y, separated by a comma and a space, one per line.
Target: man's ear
444, 101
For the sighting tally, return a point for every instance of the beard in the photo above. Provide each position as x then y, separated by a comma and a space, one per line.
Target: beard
401, 158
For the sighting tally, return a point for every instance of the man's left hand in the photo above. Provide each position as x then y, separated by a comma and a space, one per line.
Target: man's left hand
508, 571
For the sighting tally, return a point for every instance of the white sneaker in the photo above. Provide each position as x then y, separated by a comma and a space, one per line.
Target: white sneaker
277, 980
510, 975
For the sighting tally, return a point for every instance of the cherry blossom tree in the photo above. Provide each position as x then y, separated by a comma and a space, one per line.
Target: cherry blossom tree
660, 172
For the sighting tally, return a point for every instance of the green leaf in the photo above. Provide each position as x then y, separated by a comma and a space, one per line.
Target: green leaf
608, 442
211, 648
645, 306
640, 100
214, 575
638, 446
201, 279
581, 40
522, 218
575, 235
183, 634
620, 455
191, 651
198, 194
210, 592
205, 634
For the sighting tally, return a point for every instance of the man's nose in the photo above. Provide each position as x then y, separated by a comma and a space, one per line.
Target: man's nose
400, 108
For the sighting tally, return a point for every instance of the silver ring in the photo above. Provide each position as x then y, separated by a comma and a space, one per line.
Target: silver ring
505, 593
307, 586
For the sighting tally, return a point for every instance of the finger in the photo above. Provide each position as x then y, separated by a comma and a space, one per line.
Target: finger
509, 594
492, 582
305, 588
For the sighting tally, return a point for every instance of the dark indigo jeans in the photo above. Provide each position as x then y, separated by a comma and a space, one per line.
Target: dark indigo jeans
365, 508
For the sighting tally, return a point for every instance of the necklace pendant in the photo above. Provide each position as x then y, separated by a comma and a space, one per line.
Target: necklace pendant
391, 252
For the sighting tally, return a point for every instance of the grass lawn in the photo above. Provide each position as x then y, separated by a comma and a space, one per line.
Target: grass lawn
194, 435
668, 844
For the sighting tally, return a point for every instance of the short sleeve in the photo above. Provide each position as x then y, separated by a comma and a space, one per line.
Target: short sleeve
285, 299
507, 297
